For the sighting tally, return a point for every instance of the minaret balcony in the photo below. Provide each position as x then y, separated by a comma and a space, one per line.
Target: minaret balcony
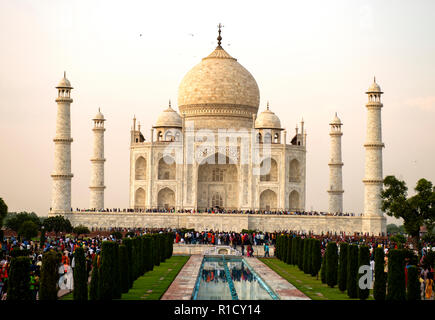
67, 140
64, 99
62, 176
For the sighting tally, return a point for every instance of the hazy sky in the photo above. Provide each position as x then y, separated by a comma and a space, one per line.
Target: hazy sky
309, 58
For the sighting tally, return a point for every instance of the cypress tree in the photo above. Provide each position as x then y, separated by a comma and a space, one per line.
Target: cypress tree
294, 250
342, 266
316, 257
379, 287
162, 247
94, 285
289, 250
129, 250
49, 275
305, 258
117, 291
19, 279
80, 276
364, 260
156, 250
277, 247
352, 271
151, 252
396, 276
170, 244
331, 264
107, 279
413, 285
283, 248
123, 268
323, 269
301, 254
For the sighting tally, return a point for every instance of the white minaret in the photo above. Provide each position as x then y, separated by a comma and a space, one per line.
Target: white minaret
61, 192
97, 174
373, 178
335, 168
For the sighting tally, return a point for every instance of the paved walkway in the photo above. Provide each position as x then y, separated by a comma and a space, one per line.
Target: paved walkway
284, 289
183, 285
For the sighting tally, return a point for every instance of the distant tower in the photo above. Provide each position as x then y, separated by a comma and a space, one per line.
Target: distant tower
373, 179
335, 168
97, 174
61, 192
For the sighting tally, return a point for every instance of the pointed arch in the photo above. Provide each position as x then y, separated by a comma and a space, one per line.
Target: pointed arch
167, 168
294, 203
140, 168
295, 174
268, 200
269, 173
139, 199
166, 198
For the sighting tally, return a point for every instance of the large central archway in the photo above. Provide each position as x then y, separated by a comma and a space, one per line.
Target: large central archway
166, 199
218, 183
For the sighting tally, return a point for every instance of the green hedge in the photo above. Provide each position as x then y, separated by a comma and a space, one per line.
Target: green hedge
352, 271
413, 285
109, 271
331, 264
316, 257
396, 275
301, 254
80, 276
342, 267
49, 275
124, 268
380, 285
294, 250
19, 279
94, 290
364, 260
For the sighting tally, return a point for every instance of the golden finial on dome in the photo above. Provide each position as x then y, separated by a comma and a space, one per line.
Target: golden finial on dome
169, 103
219, 38
267, 104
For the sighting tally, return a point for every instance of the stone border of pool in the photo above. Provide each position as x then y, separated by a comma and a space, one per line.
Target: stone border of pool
284, 289
183, 285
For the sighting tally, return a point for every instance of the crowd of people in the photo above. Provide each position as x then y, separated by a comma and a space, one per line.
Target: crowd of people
245, 242
219, 211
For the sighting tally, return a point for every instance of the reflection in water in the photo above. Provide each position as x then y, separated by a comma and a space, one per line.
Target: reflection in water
214, 285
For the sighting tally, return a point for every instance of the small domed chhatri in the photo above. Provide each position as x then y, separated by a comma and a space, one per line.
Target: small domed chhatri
64, 82
267, 120
336, 120
169, 118
99, 115
374, 88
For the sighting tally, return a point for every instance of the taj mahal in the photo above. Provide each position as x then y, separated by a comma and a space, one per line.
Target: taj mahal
217, 152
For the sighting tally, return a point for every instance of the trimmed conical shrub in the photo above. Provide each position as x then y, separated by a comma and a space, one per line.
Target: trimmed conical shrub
352, 271
129, 250
342, 266
294, 250
396, 276
364, 260
323, 270
109, 271
289, 250
301, 254
94, 285
413, 285
331, 264
80, 276
380, 285
123, 268
19, 279
316, 257
49, 275
284, 249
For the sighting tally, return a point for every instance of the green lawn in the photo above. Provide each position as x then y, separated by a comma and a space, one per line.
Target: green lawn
153, 284
311, 287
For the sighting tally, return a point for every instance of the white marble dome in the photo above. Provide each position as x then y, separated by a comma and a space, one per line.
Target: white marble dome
267, 120
218, 80
336, 120
64, 83
374, 88
169, 118
99, 115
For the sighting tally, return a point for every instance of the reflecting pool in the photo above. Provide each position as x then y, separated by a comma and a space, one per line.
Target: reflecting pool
230, 278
